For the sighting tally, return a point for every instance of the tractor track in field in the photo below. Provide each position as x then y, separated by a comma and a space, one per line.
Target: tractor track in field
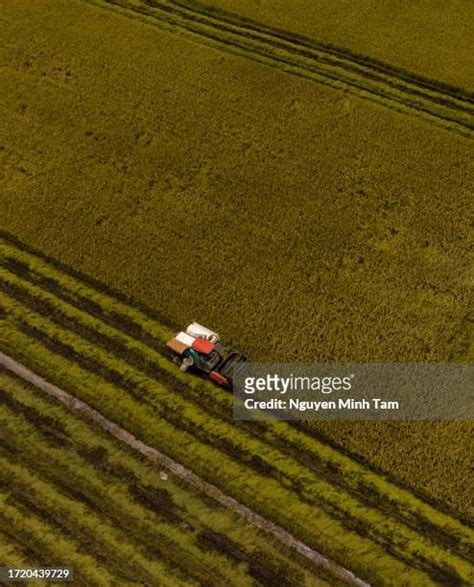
180, 471
121, 323
436, 533
445, 106
362, 493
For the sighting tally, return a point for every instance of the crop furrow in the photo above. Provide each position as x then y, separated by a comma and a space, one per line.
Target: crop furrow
214, 405
317, 493
109, 558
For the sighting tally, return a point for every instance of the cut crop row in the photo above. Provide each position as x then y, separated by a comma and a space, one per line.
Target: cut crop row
264, 494
12, 554
120, 505
354, 478
68, 519
40, 541
369, 522
96, 471
151, 531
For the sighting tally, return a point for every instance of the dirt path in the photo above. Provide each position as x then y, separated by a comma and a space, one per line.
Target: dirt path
157, 457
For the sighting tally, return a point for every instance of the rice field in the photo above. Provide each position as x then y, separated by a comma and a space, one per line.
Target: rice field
356, 252
429, 38
112, 354
73, 496
128, 184
309, 198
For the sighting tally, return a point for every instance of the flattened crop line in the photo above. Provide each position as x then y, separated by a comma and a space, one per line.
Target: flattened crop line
236, 19
441, 105
362, 488
68, 317
155, 456
415, 553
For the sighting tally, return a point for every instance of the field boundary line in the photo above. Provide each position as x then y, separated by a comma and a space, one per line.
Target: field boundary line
179, 470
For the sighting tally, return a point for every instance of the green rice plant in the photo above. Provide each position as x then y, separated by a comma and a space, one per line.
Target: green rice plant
309, 523
350, 474
313, 487
82, 452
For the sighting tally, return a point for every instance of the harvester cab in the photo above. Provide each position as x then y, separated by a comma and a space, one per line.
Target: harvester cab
201, 348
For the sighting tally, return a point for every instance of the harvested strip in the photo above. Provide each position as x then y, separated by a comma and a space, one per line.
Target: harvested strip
180, 471
357, 476
143, 530
41, 538
109, 478
110, 546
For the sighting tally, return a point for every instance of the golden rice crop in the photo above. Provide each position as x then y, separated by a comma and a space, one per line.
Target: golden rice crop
431, 39
303, 223
300, 221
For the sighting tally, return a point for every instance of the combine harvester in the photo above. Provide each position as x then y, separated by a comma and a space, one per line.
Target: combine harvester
200, 348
